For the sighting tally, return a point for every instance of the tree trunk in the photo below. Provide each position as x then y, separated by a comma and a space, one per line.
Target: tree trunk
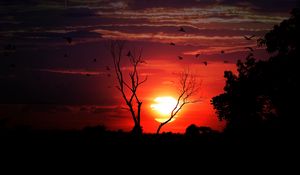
139, 113
158, 129
137, 130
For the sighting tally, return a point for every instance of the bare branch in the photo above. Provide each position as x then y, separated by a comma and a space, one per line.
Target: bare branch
143, 81
128, 86
128, 89
188, 87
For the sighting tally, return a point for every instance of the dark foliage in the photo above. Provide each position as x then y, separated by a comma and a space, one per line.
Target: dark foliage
264, 94
195, 131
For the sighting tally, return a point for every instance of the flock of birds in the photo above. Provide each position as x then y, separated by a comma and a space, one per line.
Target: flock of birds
69, 40
10, 48
181, 29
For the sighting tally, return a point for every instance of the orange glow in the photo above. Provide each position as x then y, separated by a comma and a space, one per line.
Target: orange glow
163, 106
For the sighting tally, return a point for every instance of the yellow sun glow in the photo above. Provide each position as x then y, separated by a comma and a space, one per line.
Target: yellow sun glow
164, 107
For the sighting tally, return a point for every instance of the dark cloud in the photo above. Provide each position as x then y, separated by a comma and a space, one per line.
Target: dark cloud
46, 108
48, 17
144, 4
265, 6
29, 87
78, 12
19, 2
102, 109
83, 34
190, 30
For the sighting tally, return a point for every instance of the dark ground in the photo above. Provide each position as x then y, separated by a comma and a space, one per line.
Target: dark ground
111, 152
95, 141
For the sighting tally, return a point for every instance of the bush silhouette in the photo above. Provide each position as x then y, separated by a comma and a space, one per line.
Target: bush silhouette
194, 131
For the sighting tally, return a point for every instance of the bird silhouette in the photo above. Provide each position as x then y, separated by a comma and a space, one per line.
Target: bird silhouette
128, 54
250, 48
180, 57
197, 55
205, 63
95, 60
172, 44
65, 55
108, 68
249, 38
88, 75
222, 51
109, 75
225, 61
181, 29
68, 39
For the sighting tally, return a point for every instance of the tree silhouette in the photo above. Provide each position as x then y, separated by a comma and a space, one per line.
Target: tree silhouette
262, 96
188, 86
129, 89
192, 131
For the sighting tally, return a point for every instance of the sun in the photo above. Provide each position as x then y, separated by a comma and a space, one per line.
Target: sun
163, 106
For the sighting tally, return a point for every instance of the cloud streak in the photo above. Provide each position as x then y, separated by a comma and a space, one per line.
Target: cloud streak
71, 72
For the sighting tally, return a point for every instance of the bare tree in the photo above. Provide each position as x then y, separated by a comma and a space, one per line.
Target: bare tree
129, 89
188, 86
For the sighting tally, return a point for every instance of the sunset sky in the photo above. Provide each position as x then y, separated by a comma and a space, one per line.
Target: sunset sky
43, 77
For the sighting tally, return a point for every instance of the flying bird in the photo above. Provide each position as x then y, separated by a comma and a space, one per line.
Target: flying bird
88, 75
225, 61
197, 55
249, 38
181, 29
128, 54
205, 63
95, 60
108, 75
222, 51
65, 55
68, 39
180, 57
172, 44
108, 68
250, 48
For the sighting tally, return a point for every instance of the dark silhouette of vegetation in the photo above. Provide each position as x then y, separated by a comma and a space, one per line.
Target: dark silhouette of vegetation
264, 94
192, 130
188, 86
195, 131
129, 89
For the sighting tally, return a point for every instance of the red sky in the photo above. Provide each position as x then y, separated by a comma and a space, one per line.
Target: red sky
44, 83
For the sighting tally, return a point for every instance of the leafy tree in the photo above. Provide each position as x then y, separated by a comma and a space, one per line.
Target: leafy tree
263, 94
